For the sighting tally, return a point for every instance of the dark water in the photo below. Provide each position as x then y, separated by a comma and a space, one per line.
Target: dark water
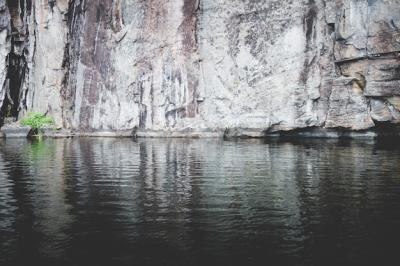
199, 202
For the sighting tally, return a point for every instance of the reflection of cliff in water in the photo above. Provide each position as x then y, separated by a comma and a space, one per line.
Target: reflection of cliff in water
206, 200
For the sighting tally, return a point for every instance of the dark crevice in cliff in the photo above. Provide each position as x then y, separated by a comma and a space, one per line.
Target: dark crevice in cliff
65, 92
15, 78
309, 23
52, 4
17, 58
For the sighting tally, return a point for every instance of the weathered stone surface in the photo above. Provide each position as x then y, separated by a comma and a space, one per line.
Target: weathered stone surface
4, 47
189, 66
15, 130
260, 63
188, 133
383, 26
367, 46
395, 101
47, 28
348, 106
366, 28
383, 77
351, 29
380, 111
245, 133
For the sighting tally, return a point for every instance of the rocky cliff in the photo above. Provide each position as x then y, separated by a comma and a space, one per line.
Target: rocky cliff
173, 65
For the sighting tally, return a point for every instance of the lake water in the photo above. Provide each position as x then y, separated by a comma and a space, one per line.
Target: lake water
199, 202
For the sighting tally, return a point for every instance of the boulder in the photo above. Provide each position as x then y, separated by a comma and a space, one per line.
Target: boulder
16, 130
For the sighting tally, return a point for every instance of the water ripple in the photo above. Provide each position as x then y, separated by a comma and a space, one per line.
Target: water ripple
198, 202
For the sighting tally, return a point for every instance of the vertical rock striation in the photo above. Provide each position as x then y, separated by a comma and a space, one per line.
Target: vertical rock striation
46, 72
131, 63
171, 65
5, 45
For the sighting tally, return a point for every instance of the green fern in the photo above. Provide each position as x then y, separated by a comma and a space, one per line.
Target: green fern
37, 120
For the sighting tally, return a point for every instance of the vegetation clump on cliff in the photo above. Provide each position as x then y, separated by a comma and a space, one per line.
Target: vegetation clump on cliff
37, 121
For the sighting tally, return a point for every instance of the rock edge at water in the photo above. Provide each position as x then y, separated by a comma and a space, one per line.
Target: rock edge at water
204, 134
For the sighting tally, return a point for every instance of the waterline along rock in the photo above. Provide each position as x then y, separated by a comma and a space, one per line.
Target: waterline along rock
202, 65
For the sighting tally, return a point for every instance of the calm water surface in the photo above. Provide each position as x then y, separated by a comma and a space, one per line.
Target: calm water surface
199, 202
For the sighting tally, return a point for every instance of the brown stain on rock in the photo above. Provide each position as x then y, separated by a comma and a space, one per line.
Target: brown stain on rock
89, 31
179, 67
190, 49
188, 27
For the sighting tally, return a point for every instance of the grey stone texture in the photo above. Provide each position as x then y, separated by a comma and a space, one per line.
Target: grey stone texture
204, 65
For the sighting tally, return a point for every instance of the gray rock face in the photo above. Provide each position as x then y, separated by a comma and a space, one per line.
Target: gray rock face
4, 47
348, 107
12, 129
202, 65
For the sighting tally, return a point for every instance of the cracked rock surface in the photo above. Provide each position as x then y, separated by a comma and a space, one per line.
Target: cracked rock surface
174, 65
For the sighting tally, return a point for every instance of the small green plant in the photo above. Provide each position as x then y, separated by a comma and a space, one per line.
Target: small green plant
37, 121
